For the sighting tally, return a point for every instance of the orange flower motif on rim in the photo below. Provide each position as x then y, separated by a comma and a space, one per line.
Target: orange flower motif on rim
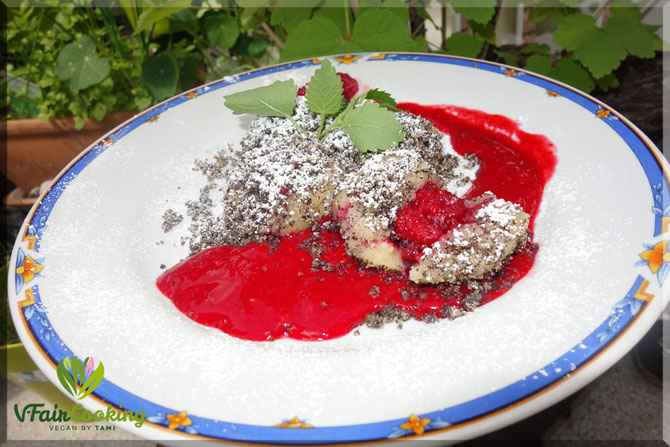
294, 423
191, 95
348, 59
605, 114
415, 424
552, 94
510, 72
178, 420
28, 269
656, 256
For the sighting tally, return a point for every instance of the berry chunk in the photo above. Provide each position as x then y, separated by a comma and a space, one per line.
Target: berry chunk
349, 87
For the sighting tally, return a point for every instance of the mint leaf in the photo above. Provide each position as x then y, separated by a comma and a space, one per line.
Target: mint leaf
383, 98
324, 91
277, 99
372, 128
461, 44
632, 34
381, 30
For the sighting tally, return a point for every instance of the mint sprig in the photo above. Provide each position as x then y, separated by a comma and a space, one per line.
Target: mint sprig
276, 99
371, 127
325, 93
383, 98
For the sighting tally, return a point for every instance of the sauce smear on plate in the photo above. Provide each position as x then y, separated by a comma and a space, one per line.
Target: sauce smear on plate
260, 292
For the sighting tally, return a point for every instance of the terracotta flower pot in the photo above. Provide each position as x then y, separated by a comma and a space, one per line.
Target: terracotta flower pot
38, 150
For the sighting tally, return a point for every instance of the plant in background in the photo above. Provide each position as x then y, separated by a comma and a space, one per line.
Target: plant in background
87, 62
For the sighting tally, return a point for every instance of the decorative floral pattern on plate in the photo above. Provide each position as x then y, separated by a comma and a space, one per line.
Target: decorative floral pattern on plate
293, 423
26, 269
627, 307
657, 258
510, 72
605, 114
416, 425
33, 311
175, 421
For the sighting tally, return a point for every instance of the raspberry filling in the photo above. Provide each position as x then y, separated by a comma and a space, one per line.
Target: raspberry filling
349, 87
424, 220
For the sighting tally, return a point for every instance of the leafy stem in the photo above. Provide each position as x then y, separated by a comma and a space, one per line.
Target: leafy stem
338, 119
298, 126
318, 132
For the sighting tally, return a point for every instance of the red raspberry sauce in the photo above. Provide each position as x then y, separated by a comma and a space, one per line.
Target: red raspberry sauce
261, 293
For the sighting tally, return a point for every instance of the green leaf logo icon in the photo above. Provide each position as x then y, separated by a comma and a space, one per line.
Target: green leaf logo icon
80, 379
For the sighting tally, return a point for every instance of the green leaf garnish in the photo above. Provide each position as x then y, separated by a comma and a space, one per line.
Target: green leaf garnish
372, 128
383, 98
324, 92
277, 99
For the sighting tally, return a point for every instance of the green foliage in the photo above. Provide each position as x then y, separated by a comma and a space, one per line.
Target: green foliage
374, 30
461, 44
88, 62
160, 76
222, 30
151, 16
601, 49
79, 64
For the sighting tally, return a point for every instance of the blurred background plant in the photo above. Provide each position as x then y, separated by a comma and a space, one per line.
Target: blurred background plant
85, 61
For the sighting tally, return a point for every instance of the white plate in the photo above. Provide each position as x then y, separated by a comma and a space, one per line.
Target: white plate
586, 302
